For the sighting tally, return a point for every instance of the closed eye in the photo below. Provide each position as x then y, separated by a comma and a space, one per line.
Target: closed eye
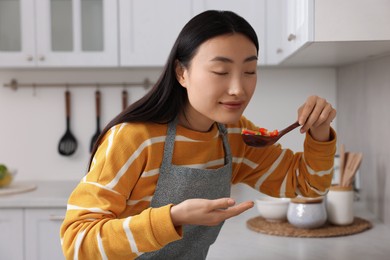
220, 73
250, 72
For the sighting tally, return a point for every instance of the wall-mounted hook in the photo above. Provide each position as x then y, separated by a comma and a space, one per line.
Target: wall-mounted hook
14, 84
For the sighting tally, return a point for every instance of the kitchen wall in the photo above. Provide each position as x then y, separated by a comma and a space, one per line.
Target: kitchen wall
363, 92
32, 120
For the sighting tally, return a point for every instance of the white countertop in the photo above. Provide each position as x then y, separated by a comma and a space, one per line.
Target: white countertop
48, 194
236, 241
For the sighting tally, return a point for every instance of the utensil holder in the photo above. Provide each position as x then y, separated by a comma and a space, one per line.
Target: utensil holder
339, 205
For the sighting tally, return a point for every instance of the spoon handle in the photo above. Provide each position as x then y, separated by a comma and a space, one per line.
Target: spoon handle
289, 128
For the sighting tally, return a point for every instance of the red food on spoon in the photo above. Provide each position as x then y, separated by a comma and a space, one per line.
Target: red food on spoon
263, 137
262, 131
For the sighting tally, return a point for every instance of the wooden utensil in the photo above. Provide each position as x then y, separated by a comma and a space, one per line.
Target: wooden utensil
124, 99
352, 165
342, 161
68, 143
97, 133
262, 140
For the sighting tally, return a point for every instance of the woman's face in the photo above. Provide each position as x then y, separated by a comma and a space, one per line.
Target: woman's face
220, 81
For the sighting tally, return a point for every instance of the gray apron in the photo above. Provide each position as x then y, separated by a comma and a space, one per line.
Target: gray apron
176, 184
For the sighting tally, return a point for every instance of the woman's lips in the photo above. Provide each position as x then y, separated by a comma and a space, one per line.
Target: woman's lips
233, 105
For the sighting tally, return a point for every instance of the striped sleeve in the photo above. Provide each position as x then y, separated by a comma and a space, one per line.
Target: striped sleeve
280, 172
101, 221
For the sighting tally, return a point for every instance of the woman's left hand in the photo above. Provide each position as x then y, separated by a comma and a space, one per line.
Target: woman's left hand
315, 115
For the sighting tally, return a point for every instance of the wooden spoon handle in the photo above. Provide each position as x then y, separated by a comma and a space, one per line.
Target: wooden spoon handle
67, 103
97, 98
342, 161
289, 128
124, 99
353, 167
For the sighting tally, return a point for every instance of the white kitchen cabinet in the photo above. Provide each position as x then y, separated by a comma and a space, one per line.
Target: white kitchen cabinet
58, 33
42, 233
11, 234
289, 27
326, 32
149, 28
252, 10
31, 233
30, 221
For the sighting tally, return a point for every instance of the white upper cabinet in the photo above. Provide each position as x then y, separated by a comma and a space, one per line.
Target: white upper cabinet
326, 32
252, 10
17, 38
58, 33
289, 27
149, 28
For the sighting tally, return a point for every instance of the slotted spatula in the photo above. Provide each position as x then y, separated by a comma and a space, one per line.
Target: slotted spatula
97, 133
68, 143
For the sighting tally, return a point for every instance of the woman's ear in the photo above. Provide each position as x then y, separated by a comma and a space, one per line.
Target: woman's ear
180, 73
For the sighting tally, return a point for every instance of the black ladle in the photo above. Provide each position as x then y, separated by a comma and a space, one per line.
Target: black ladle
97, 133
263, 140
68, 143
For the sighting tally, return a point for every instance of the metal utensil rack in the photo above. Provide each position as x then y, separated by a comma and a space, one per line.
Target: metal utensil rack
14, 84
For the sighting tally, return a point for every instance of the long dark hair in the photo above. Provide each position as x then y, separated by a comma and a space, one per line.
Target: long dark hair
167, 97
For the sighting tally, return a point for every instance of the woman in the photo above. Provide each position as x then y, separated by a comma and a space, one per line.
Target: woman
159, 180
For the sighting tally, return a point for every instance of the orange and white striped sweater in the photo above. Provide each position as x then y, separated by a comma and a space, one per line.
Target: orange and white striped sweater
109, 215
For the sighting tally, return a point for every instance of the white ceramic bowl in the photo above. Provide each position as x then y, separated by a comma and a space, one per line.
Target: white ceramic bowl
273, 209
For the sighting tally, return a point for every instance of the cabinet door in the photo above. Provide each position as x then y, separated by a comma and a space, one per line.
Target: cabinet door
299, 24
11, 234
76, 33
42, 231
17, 45
252, 10
290, 25
274, 32
149, 28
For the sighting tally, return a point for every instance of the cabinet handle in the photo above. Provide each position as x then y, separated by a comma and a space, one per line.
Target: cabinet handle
29, 58
291, 37
56, 218
42, 58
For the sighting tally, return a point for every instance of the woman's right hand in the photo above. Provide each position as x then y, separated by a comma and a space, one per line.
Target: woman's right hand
207, 212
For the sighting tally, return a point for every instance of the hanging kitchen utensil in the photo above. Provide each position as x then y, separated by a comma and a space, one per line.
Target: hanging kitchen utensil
124, 99
68, 143
97, 133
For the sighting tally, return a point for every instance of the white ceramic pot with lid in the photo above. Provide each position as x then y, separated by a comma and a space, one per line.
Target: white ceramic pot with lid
307, 212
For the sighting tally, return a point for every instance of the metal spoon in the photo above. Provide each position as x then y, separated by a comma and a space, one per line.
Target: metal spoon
263, 141
68, 143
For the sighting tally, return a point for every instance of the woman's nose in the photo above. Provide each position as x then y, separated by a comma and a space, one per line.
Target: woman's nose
236, 87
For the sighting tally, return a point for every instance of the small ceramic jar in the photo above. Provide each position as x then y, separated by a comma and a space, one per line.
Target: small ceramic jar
307, 212
339, 205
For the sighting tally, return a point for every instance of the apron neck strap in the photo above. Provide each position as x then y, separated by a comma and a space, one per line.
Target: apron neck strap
170, 142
